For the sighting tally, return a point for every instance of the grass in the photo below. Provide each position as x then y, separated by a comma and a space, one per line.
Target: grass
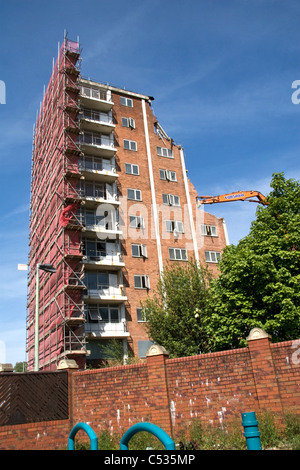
284, 436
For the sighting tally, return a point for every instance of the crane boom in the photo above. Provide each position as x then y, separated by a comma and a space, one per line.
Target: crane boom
236, 196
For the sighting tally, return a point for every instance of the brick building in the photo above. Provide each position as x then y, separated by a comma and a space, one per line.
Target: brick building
111, 205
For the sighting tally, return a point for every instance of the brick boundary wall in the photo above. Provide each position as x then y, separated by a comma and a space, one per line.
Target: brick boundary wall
214, 388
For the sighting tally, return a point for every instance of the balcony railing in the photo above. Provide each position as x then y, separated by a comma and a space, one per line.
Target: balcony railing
109, 329
110, 257
100, 140
97, 116
95, 93
86, 164
107, 292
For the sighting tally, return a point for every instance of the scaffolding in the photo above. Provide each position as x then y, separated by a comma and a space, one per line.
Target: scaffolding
55, 236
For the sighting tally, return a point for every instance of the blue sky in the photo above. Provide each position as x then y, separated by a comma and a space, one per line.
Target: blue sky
221, 73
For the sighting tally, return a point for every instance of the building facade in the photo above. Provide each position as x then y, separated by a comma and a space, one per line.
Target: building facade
111, 206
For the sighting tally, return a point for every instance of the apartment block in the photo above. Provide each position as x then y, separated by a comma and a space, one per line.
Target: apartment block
111, 206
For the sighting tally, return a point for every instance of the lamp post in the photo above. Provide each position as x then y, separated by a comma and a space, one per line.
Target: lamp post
48, 268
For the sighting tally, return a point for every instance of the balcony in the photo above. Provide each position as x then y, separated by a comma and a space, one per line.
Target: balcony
98, 169
97, 143
107, 329
96, 98
105, 294
99, 193
97, 121
109, 259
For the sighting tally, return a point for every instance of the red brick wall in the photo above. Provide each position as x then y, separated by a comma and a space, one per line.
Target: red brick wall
114, 398
213, 388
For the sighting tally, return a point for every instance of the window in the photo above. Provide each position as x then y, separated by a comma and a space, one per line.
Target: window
102, 313
141, 282
164, 152
212, 256
171, 200
178, 254
174, 226
134, 194
136, 221
128, 122
139, 251
139, 314
210, 230
131, 169
95, 280
130, 145
167, 175
126, 101
94, 250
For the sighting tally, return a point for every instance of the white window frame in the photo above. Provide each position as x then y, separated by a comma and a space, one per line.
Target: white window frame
129, 167
137, 194
209, 230
144, 281
171, 200
128, 122
130, 145
180, 254
126, 101
142, 250
139, 221
164, 152
167, 175
212, 256
95, 316
174, 226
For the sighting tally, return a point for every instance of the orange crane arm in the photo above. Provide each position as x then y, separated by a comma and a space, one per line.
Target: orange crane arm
237, 196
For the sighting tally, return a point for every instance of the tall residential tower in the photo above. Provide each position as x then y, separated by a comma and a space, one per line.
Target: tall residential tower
111, 205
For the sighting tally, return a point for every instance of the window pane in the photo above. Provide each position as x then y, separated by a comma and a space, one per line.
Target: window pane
177, 253
103, 314
135, 169
138, 195
103, 280
130, 194
114, 315
92, 281
180, 227
137, 281
93, 313
132, 221
124, 122
162, 174
184, 254
165, 198
139, 314
126, 144
133, 145
207, 256
172, 253
128, 168
135, 250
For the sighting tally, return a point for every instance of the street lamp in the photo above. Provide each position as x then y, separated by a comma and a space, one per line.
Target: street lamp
48, 268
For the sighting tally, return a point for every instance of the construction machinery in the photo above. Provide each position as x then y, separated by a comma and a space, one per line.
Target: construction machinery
236, 196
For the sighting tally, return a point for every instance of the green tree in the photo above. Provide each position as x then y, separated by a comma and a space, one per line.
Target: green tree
176, 312
259, 281
20, 367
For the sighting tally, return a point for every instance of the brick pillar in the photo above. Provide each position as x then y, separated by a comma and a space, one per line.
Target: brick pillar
70, 366
264, 372
158, 388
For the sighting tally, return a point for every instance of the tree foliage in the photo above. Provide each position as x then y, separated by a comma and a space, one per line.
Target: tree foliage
259, 281
176, 312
